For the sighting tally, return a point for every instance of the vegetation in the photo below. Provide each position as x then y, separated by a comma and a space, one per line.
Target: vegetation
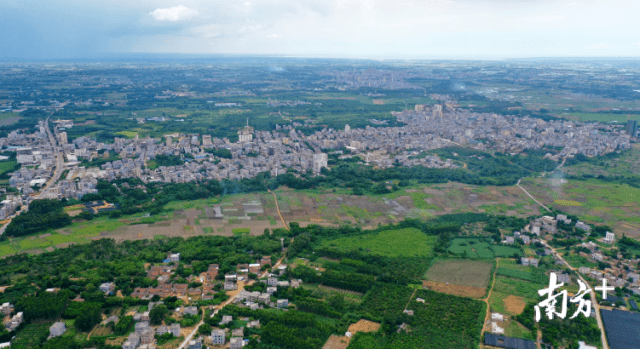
43, 214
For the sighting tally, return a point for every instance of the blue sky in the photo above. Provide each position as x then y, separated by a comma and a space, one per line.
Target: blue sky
415, 29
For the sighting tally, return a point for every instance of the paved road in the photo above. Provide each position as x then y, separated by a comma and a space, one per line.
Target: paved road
56, 175
59, 160
594, 301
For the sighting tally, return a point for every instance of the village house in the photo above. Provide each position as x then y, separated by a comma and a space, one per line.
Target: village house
218, 337
236, 343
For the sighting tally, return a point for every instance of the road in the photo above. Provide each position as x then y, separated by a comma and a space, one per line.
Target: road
486, 300
56, 174
222, 305
59, 160
531, 196
594, 301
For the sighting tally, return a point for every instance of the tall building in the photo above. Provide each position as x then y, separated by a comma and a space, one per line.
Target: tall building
245, 135
206, 140
438, 111
62, 136
169, 141
347, 128
632, 128
320, 160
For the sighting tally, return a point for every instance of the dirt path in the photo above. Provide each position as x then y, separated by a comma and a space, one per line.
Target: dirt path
486, 300
410, 298
531, 196
278, 208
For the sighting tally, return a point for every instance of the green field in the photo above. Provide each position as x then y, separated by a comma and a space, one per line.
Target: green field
479, 248
460, 272
517, 287
241, 231
392, 243
31, 335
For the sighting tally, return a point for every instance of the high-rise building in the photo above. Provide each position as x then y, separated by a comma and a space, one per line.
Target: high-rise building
437, 111
320, 160
347, 128
62, 136
632, 128
169, 141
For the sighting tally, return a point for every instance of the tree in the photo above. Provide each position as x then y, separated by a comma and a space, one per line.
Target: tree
157, 314
204, 329
89, 318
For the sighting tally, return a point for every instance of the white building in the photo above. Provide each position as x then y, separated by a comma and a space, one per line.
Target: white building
609, 238
175, 257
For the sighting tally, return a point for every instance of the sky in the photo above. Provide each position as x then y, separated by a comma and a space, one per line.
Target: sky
378, 29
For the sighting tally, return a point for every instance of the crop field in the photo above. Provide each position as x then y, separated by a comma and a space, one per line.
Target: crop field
31, 335
520, 288
460, 272
600, 202
393, 243
479, 248
506, 303
456, 290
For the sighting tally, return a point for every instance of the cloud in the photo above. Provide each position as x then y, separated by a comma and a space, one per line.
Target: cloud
274, 36
173, 14
599, 46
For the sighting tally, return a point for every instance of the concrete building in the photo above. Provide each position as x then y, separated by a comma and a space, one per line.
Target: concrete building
218, 337
57, 329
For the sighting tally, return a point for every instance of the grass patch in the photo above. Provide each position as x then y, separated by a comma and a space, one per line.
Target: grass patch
521, 288
406, 242
241, 231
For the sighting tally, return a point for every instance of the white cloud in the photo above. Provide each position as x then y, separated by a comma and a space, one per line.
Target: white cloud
173, 14
274, 36
599, 46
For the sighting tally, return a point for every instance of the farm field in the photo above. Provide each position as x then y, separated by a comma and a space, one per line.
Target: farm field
516, 287
31, 335
506, 303
460, 272
392, 243
456, 290
596, 201
481, 248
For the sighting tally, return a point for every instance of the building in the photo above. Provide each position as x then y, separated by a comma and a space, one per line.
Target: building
529, 261
282, 303
438, 111
190, 310
108, 287
175, 257
583, 345
195, 344
175, 329
218, 337
609, 238
226, 319
583, 226
147, 336
632, 128
320, 160
57, 329
500, 341
6, 308
246, 134
236, 342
